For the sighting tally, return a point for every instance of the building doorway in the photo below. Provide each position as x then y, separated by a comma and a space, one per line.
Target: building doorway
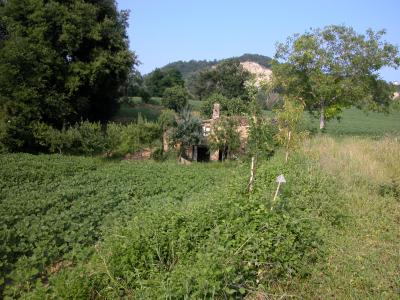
203, 154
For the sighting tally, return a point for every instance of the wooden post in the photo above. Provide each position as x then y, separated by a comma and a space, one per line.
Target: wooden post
252, 174
287, 148
280, 179
277, 191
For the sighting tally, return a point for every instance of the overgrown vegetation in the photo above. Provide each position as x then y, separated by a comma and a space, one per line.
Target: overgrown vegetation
164, 236
87, 138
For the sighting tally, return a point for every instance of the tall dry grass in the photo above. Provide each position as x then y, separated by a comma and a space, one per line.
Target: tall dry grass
363, 256
357, 160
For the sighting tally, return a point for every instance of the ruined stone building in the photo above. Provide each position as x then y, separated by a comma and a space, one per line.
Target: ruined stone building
202, 152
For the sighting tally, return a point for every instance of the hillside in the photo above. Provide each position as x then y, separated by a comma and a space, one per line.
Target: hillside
189, 68
262, 73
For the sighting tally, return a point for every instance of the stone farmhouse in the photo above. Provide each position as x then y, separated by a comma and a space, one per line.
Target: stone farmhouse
202, 152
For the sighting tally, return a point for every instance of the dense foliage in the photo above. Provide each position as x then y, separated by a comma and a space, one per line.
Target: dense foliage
59, 62
159, 80
86, 138
187, 131
227, 78
175, 98
229, 107
136, 88
335, 68
224, 137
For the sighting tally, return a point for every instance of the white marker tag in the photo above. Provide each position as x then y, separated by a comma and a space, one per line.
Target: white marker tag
281, 179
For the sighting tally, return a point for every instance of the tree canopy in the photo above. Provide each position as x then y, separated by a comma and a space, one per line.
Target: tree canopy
227, 78
175, 98
333, 68
60, 62
159, 80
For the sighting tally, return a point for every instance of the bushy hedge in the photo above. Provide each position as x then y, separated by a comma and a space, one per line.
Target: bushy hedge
86, 138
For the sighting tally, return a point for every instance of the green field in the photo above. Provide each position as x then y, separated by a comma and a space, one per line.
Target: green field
54, 208
356, 122
89, 227
150, 111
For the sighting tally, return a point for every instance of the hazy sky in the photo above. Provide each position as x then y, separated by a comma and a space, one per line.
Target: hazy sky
165, 31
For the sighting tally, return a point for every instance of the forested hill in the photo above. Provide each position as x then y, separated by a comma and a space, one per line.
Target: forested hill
188, 68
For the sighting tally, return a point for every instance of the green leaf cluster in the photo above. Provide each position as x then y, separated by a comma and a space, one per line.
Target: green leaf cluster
229, 106
227, 78
60, 62
159, 80
175, 98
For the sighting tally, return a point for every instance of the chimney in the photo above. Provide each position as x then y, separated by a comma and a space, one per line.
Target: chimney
216, 111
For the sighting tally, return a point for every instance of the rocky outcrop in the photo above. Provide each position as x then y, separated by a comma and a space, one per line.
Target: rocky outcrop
262, 74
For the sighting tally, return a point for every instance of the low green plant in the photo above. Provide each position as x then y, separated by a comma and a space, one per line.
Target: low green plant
54, 209
217, 244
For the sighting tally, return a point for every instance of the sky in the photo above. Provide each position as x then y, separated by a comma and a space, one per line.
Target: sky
161, 32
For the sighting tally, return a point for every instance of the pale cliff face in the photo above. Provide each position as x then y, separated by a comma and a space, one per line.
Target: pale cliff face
261, 73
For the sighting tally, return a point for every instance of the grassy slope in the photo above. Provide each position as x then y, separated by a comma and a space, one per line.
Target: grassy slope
364, 255
357, 122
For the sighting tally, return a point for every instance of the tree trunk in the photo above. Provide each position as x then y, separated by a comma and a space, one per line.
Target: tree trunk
322, 118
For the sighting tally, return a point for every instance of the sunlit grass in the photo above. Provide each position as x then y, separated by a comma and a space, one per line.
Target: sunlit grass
363, 256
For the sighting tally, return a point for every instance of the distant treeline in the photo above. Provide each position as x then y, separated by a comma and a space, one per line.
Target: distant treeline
190, 68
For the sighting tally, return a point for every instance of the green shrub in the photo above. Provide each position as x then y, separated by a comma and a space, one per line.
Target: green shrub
84, 138
92, 140
113, 138
87, 138
175, 98
145, 95
55, 141
137, 136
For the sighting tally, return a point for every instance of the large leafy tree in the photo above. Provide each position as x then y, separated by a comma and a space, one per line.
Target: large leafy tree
227, 78
333, 68
60, 61
175, 98
159, 80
